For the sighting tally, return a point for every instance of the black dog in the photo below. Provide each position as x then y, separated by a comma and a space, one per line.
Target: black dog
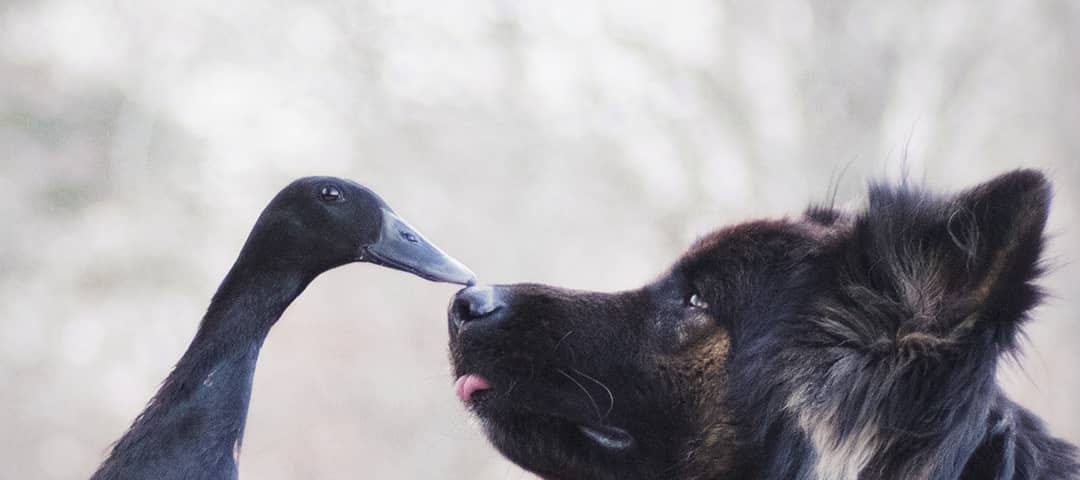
832, 346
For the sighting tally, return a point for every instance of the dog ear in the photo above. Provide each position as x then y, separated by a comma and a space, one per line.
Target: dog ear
998, 228
956, 264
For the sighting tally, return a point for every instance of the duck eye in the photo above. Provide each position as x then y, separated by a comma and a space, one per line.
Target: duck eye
330, 193
695, 301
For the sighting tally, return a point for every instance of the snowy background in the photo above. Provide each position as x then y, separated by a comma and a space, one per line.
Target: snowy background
576, 143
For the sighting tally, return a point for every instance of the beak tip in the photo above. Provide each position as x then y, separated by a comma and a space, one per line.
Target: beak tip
470, 277
457, 273
465, 274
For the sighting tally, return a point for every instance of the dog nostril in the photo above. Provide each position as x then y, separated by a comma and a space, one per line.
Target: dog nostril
475, 302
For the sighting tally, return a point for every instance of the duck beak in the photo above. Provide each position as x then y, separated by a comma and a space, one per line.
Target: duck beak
401, 247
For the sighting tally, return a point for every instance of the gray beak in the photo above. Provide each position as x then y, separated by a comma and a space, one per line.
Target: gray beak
401, 247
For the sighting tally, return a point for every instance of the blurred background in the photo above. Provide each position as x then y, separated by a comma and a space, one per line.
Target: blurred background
575, 143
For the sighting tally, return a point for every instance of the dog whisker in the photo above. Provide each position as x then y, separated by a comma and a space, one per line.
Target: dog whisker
559, 343
599, 418
611, 396
513, 385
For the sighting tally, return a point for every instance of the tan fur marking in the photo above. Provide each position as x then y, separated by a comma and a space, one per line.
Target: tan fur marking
701, 371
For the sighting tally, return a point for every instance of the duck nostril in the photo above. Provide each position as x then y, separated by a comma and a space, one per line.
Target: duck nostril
474, 303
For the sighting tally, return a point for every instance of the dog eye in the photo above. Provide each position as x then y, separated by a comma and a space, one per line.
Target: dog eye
695, 301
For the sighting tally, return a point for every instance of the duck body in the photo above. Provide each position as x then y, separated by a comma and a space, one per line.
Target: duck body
193, 427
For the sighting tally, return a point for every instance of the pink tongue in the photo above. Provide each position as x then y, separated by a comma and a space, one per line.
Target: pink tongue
467, 385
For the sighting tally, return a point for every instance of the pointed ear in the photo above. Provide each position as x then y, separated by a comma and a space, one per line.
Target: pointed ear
950, 267
998, 228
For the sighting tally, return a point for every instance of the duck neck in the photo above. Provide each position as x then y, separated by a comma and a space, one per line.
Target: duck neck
194, 425
248, 303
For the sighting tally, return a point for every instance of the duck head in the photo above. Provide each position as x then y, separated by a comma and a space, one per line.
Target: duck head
323, 222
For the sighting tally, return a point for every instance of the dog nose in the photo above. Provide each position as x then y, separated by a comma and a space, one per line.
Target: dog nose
474, 303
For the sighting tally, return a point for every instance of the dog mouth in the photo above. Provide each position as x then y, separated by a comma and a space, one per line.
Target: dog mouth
478, 394
466, 386
609, 437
